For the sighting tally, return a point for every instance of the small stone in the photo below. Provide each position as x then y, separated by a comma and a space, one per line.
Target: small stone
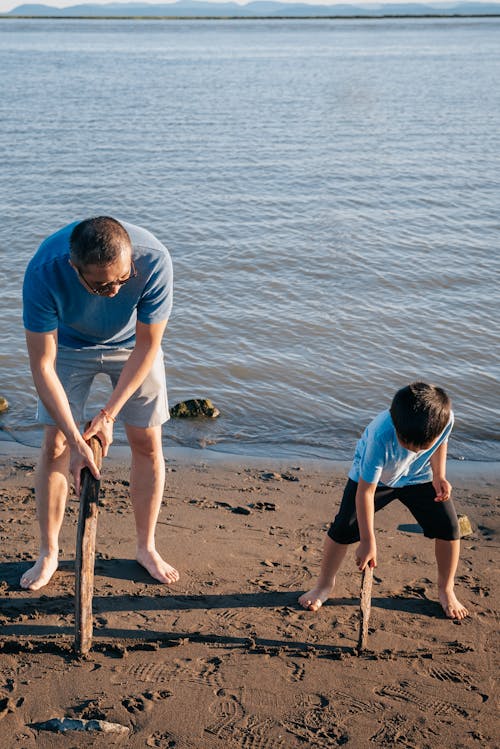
193, 408
264, 506
241, 511
4, 404
289, 477
271, 476
61, 725
464, 526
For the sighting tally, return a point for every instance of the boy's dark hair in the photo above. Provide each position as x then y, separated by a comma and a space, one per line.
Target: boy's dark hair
98, 241
419, 413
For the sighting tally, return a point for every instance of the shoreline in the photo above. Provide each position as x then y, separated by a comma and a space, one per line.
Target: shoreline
468, 471
461, 470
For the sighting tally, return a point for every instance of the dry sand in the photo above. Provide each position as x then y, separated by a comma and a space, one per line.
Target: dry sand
226, 658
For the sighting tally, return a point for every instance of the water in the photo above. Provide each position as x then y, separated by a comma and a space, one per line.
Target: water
329, 192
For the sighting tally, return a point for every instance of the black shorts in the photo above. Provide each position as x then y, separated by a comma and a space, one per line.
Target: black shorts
437, 519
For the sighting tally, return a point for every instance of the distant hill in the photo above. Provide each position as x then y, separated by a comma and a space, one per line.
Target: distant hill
269, 8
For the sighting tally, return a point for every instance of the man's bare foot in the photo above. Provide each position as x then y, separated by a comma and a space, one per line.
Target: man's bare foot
315, 598
157, 567
41, 572
452, 606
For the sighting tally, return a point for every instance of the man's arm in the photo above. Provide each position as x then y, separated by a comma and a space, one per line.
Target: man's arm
438, 466
147, 343
366, 553
42, 351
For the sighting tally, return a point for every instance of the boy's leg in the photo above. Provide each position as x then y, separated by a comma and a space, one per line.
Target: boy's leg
333, 556
343, 531
51, 491
447, 555
439, 521
147, 480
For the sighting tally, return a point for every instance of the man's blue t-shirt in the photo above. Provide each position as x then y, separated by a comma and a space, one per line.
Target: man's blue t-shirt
380, 459
54, 297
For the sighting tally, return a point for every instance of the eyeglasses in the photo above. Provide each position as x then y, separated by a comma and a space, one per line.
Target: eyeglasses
103, 288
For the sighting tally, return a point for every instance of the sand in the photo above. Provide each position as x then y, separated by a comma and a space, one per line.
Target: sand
226, 658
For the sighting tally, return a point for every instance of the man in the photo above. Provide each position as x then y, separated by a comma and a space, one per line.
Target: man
96, 298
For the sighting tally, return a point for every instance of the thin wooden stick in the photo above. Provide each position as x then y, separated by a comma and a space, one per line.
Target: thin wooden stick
365, 606
85, 552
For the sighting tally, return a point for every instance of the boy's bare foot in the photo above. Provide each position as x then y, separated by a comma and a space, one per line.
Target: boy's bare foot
452, 606
157, 567
41, 572
315, 598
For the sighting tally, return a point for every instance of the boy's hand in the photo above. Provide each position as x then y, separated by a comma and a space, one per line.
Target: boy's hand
442, 488
366, 554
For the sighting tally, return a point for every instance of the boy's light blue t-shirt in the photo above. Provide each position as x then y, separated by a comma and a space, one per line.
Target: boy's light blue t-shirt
55, 298
380, 459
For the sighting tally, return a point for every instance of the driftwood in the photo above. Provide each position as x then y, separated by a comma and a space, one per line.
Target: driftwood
85, 552
365, 606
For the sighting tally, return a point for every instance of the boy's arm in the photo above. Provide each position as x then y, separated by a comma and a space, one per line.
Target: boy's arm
366, 553
439, 481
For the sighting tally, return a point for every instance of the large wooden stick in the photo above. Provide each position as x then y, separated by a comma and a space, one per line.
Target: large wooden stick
365, 606
85, 552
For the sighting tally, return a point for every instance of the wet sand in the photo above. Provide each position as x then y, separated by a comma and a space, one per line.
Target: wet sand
226, 658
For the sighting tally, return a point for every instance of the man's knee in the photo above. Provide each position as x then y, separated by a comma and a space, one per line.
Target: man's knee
146, 441
55, 445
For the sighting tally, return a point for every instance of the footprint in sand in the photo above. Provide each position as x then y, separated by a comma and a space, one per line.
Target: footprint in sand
259, 734
437, 707
319, 727
395, 732
8, 705
295, 671
148, 672
160, 740
228, 711
134, 704
450, 674
142, 703
310, 700
199, 671
347, 703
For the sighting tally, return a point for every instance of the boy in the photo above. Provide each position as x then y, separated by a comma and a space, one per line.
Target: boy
401, 455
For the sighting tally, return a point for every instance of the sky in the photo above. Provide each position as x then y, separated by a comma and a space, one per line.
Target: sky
6, 5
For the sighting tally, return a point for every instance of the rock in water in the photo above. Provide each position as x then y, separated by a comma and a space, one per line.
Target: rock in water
193, 408
4, 404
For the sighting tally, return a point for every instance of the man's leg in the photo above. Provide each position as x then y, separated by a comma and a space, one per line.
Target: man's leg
447, 555
147, 481
51, 491
333, 556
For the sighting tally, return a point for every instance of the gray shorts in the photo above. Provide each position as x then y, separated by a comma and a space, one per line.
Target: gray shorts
77, 368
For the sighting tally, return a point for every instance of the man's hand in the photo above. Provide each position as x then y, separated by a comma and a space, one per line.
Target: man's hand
81, 456
102, 427
442, 488
366, 554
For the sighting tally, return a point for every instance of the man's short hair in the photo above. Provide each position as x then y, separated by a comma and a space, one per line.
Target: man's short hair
98, 241
420, 412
